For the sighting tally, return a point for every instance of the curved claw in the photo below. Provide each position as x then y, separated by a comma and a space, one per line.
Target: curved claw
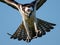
28, 39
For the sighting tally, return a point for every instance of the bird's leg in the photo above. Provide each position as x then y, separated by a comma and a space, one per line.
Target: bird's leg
36, 28
35, 20
27, 31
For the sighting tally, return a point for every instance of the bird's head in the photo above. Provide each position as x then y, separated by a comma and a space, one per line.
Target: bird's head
27, 10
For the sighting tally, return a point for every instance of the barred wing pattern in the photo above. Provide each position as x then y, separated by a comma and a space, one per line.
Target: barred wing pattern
39, 4
21, 33
43, 26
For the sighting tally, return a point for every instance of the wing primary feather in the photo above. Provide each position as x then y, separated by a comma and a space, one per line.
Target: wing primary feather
11, 3
40, 3
47, 26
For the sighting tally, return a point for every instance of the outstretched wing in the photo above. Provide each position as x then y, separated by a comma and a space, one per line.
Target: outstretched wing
11, 3
15, 4
39, 4
20, 33
43, 27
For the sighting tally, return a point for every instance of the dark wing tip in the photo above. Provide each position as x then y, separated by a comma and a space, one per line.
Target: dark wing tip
12, 36
54, 24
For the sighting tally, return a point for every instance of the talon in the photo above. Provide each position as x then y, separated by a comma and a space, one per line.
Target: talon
28, 39
39, 33
36, 34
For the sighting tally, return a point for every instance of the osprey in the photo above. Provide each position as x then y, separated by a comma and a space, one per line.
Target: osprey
31, 26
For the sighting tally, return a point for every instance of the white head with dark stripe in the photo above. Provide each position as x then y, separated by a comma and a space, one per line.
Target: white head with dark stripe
26, 10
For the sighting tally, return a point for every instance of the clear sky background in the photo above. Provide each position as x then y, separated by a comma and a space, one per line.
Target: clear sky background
10, 19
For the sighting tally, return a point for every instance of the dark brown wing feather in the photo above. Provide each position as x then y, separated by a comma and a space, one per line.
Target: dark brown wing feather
20, 33
42, 25
40, 3
11, 3
15, 4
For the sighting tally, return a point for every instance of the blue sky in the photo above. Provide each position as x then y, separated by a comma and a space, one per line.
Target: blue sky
10, 20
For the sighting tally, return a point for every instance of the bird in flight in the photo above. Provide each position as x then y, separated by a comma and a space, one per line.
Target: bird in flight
31, 26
